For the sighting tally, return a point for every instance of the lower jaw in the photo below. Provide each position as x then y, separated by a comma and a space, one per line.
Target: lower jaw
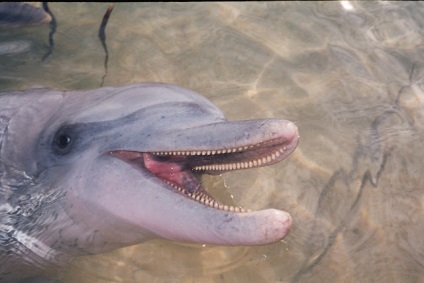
203, 197
217, 187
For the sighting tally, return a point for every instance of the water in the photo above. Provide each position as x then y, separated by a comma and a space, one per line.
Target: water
349, 74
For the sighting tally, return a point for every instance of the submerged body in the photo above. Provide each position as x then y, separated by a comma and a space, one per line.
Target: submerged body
91, 171
15, 14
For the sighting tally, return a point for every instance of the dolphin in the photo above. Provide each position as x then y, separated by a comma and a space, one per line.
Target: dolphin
14, 14
86, 172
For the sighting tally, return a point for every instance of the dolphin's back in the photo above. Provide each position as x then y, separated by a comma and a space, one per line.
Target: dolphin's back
14, 14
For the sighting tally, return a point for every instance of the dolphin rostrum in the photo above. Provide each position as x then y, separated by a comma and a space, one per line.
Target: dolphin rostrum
85, 172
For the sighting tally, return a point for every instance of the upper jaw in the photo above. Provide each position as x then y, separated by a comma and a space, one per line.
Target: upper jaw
210, 139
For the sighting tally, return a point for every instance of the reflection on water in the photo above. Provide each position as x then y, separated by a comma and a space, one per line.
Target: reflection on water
350, 75
170, 263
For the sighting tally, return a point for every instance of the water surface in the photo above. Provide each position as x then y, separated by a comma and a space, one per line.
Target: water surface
349, 74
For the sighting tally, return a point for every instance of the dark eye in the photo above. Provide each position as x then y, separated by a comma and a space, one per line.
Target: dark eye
63, 140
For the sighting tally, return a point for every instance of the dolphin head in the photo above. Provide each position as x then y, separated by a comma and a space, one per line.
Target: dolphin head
102, 169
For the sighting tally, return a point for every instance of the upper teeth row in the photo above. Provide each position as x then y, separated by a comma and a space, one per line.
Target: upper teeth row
242, 165
203, 152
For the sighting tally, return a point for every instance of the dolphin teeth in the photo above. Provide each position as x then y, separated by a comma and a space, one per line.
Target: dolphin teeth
201, 197
234, 166
220, 151
206, 200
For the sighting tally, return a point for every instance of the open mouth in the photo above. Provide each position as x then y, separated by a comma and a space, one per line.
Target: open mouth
180, 170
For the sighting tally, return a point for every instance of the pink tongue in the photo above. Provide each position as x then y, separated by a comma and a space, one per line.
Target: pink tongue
169, 171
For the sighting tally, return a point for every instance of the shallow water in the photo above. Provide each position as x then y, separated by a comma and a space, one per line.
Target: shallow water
349, 74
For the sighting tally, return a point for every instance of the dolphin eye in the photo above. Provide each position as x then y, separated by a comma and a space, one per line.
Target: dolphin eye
62, 142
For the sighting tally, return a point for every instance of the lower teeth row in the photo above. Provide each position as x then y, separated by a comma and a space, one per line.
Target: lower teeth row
206, 200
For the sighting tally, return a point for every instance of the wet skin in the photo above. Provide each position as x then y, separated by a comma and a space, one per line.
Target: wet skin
87, 172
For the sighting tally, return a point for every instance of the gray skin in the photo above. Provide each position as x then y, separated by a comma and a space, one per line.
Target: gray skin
86, 172
14, 14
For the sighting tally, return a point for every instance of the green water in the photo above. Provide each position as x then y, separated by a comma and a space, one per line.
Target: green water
350, 77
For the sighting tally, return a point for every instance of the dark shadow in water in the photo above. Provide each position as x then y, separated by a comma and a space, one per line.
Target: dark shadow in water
361, 152
341, 174
53, 25
373, 152
102, 37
